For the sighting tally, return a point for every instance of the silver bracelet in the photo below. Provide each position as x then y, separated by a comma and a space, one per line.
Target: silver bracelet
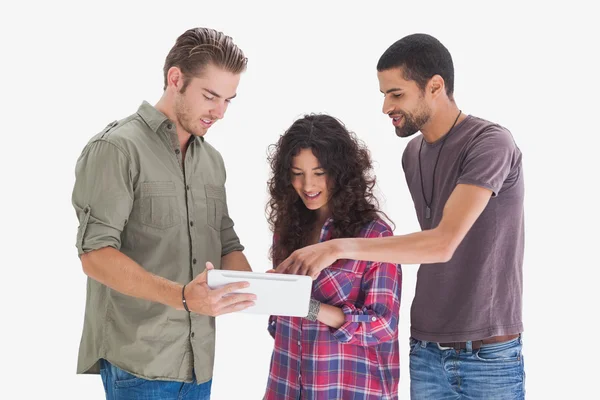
313, 310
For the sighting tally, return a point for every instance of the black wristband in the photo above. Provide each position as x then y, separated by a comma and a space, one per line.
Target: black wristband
183, 299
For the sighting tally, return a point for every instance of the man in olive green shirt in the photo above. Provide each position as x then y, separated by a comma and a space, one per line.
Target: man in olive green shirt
150, 199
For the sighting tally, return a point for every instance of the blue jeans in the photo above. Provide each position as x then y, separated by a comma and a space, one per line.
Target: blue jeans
121, 385
494, 372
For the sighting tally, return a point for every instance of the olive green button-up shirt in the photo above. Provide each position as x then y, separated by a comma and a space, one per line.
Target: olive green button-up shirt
134, 192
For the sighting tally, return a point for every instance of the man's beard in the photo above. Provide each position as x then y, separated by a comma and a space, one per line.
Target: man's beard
183, 118
411, 123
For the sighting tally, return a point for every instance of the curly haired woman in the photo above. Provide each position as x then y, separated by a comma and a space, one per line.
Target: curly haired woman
347, 346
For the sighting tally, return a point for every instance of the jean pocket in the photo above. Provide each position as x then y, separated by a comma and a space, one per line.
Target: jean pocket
158, 205
215, 205
415, 345
500, 352
123, 379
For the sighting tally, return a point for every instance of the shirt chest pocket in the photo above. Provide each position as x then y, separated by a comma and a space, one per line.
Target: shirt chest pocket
215, 205
158, 205
334, 286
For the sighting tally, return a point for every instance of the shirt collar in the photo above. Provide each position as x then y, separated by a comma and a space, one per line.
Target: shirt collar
326, 229
155, 120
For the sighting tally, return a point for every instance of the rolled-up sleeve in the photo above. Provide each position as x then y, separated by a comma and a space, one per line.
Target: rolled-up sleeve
376, 321
102, 195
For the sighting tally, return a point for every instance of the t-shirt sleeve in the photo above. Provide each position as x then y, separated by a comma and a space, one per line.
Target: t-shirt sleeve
490, 159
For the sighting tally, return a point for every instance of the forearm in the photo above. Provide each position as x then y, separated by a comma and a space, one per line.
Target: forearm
426, 247
119, 272
235, 261
331, 316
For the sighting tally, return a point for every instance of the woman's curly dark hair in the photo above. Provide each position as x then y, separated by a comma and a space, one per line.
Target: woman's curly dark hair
347, 163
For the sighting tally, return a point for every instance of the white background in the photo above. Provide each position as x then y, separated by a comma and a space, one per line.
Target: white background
71, 69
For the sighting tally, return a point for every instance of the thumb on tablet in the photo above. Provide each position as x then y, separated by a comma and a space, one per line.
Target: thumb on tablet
201, 278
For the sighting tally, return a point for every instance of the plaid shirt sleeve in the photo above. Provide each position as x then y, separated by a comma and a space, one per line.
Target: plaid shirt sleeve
376, 321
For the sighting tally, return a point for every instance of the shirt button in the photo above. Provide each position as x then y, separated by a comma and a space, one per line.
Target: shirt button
177, 151
187, 187
299, 343
169, 126
86, 210
373, 319
191, 223
193, 334
194, 261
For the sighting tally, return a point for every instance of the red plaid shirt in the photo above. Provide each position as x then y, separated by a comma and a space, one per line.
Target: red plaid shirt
360, 360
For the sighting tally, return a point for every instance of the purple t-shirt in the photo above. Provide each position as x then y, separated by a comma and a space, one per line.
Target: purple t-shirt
477, 294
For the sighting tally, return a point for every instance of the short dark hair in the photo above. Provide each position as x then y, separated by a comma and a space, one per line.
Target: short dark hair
420, 56
197, 47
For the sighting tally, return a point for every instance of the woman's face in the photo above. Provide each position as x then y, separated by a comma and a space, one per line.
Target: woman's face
310, 180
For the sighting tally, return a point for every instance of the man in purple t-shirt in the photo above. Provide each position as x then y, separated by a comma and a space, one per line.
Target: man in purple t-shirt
466, 181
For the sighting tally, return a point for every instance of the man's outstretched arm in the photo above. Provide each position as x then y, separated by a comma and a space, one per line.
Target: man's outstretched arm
462, 209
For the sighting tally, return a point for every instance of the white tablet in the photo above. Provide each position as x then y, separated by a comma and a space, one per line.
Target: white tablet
276, 294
